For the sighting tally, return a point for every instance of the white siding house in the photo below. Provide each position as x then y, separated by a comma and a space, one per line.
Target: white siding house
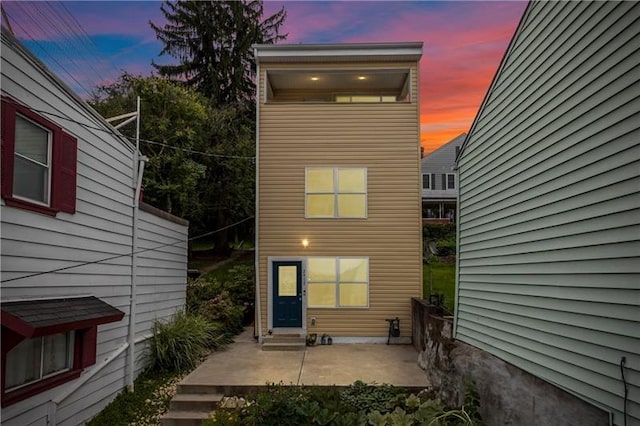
439, 182
548, 272
67, 202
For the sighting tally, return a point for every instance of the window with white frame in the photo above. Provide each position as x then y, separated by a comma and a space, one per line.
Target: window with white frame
38, 358
38, 161
451, 181
335, 192
338, 282
426, 181
32, 161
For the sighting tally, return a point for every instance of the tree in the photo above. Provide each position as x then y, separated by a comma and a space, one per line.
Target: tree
212, 41
176, 117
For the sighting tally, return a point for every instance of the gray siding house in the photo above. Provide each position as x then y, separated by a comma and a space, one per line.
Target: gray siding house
548, 274
77, 306
439, 182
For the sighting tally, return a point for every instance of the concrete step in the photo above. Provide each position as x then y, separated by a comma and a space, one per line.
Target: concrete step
195, 401
184, 418
284, 346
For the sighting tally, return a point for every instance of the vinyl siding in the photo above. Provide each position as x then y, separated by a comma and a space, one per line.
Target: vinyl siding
383, 137
100, 228
549, 229
439, 162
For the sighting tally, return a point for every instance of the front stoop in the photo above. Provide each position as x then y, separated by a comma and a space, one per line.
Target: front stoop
284, 342
190, 409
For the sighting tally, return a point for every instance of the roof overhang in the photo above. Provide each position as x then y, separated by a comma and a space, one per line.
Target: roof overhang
344, 52
35, 318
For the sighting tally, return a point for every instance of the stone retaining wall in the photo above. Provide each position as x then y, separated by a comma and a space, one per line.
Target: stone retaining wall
508, 395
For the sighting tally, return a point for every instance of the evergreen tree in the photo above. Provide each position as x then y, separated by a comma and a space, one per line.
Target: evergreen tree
212, 41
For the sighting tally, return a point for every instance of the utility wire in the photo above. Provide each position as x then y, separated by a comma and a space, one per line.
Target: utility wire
127, 254
39, 45
191, 151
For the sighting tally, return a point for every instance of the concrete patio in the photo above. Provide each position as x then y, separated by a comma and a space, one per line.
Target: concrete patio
244, 365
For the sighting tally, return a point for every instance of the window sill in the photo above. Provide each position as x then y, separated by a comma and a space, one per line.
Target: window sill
25, 205
12, 397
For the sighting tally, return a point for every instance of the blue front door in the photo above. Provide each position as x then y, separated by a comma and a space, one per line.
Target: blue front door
287, 294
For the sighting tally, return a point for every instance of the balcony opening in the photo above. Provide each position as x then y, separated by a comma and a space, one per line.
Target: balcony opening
344, 86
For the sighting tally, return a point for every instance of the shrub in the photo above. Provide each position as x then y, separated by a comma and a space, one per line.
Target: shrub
446, 246
370, 397
221, 309
436, 231
240, 285
199, 291
179, 344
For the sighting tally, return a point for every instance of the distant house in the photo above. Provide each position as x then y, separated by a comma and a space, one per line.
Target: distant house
338, 213
549, 233
440, 182
77, 306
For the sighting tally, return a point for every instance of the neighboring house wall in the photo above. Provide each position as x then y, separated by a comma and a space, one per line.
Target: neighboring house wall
381, 137
439, 181
549, 225
101, 227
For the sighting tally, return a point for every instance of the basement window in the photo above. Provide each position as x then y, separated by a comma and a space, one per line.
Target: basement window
46, 343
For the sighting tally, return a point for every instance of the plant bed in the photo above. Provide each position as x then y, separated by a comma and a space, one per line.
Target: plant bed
357, 404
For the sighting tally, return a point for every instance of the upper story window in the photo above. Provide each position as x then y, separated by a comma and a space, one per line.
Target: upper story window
426, 181
335, 192
451, 181
339, 86
32, 161
38, 162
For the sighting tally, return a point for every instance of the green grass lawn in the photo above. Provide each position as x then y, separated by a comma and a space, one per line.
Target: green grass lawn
444, 279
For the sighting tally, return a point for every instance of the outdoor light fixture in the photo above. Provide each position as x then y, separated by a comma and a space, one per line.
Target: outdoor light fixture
315, 78
305, 243
362, 77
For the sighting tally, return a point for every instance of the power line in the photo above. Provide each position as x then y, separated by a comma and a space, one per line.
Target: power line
190, 151
39, 24
127, 254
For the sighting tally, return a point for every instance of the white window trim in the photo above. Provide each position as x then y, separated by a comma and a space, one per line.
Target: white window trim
41, 376
337, 283
336, 193
48, 165
454, 180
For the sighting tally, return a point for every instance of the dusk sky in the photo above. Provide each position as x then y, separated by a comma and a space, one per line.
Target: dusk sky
463, 43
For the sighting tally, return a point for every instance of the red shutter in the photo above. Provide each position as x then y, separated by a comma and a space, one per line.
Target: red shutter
89, 343
64, 169
6, 153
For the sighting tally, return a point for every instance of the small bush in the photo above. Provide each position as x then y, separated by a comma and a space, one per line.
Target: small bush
199, 291
436, 231
370, 397
446, 246
221, 309
179, 344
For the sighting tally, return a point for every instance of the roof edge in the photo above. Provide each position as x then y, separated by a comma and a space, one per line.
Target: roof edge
494, 80
355, 51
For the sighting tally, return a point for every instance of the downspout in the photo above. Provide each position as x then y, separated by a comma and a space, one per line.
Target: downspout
256, 244
138, 170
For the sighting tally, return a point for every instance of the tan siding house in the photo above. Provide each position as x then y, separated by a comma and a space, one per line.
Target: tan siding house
338, 199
